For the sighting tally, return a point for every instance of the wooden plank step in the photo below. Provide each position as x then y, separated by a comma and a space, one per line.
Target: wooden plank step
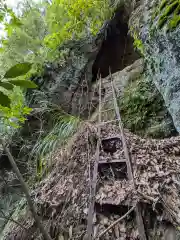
107, 110
112, 161
126, 202
113, 137
104, 123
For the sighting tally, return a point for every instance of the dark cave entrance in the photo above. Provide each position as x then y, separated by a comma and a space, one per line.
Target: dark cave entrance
117, 50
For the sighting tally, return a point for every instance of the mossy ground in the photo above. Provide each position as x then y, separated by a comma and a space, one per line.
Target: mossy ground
143, 110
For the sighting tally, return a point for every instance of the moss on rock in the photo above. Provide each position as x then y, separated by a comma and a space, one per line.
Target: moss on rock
168, 14
174, 22
144, 112
138, 44
163, 4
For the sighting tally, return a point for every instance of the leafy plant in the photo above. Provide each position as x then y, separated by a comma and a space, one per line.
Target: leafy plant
12, 101
138, 44
63, 127
74, 19
14, 115
18, 70
61, 131
36, 37
7, 85
23, 39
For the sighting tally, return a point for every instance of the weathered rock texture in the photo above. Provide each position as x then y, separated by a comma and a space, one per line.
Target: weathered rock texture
69, 85
117, 50
62, 84
120, 81
141, 105
155, 25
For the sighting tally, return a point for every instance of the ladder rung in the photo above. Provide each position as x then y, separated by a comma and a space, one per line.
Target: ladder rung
108, 110
112, 161
126, 202
105, 101
103, 123
112, 137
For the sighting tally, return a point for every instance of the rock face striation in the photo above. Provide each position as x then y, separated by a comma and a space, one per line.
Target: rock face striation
155, 26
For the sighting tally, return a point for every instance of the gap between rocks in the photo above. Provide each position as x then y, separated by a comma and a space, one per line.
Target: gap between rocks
117, 50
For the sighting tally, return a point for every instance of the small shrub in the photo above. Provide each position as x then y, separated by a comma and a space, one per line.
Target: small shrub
61, 127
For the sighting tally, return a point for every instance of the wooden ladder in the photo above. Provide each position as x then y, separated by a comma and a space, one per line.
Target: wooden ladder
127, 161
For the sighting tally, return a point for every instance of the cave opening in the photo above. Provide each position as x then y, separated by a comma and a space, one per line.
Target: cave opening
117, 50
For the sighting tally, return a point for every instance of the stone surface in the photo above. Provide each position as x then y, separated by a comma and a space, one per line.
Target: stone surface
161, 52
61, 83
120, 80
165, 51
143, 110
68, 84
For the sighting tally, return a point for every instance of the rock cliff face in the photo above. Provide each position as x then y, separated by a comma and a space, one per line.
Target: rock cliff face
61, 83
68, 85
121, 80
155, 26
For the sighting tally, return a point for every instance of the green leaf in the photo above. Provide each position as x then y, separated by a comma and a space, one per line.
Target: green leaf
2, 15
5, 7
4, 42
15, 22
18, 70
5, 91
6, 85
8, 29
4, 100
24, 83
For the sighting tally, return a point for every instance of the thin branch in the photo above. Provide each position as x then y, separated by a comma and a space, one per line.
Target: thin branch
115, 223
26, 191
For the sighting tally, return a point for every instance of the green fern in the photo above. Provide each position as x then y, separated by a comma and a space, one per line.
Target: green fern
63, 127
